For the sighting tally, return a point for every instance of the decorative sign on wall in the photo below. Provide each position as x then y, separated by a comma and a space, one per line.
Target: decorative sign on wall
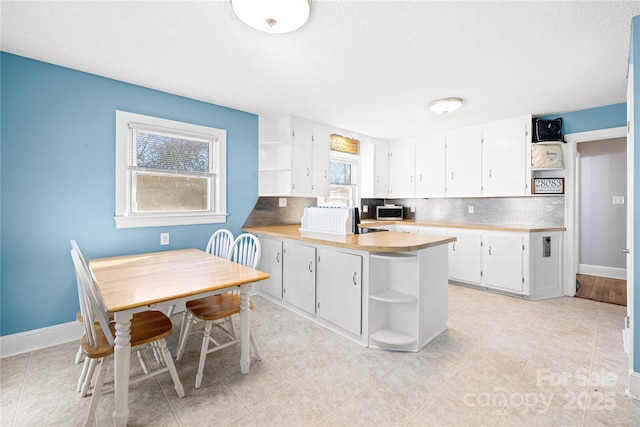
344, 144
547, 186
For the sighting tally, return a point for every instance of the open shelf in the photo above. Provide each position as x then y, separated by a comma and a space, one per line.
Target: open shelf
392, 296
390, 336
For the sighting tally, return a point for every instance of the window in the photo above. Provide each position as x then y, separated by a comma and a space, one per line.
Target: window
343, 186
168, 172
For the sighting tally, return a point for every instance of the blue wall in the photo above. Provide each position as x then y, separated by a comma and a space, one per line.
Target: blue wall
57, 129
610, 116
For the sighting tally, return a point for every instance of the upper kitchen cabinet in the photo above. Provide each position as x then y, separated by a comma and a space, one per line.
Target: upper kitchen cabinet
374, 168
504, 147
430, 167
402, 170
291, 163
463, 163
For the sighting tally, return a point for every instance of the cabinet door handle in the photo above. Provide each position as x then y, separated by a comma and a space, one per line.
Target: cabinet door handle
454, 246
355, 283
278, 257
451, 176
489, 250
420, 177
489, 173
378, 178
325, 173
411, 179
310, 263
307, 171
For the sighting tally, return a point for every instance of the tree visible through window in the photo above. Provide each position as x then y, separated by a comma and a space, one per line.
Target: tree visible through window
173, 172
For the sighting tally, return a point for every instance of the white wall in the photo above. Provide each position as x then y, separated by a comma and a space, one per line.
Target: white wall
603, 175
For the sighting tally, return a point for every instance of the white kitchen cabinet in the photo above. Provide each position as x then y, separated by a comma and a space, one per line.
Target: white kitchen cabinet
430, 167
299, 275
432, 231
320, 167
291, 163
465, 255
502, 261
271, 263
302, 136
463, 163
402, 170
374, 168
339, 289
504, 147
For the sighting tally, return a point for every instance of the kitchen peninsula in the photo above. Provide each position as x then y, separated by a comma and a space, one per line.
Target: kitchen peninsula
383, 290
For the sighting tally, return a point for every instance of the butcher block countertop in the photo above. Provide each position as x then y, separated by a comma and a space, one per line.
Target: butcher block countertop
387, 241
514, 228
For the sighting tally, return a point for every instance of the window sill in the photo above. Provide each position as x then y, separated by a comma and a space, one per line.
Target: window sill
161, 221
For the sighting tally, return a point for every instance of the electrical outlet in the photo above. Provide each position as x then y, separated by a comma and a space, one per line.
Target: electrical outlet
164, 238
470, 209
365, 208
413, 208
282, 202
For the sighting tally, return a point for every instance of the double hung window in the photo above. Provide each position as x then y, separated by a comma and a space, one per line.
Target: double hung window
168, 172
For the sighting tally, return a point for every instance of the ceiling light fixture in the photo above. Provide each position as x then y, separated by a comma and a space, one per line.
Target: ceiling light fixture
445, 105
273, 16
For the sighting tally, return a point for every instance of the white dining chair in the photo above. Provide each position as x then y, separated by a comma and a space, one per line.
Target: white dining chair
219, 244
216, 310
98, 340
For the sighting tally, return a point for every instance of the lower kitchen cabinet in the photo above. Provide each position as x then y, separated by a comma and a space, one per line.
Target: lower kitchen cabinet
339, 287
299, 275
271, 262
502, 261
465, 256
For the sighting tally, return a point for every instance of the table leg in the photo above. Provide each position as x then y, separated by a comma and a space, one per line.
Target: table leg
245, 321
122, 361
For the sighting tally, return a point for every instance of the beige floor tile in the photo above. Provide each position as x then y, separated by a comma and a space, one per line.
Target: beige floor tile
501, 362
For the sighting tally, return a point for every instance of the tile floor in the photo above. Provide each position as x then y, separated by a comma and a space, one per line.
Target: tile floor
503, 361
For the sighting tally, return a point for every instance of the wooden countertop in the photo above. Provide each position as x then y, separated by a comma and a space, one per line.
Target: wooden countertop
514, 228
387, 241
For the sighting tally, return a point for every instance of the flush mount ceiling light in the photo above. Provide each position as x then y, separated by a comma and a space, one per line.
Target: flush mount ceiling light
273, 16
445, 105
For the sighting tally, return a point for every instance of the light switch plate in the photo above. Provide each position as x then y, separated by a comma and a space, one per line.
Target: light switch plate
470, 209
365, 208
618, 200
282, 202
164, 238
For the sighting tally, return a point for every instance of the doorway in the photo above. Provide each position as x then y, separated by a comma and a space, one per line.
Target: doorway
601, 181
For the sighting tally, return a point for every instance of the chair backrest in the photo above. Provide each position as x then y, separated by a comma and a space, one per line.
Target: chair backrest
91, 305
246, 250
220, 243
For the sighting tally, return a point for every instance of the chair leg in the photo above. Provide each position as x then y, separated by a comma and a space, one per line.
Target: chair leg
254, 345
170, 310
87, 379
79, 355
162, 344
185, 330
97, 391
83, 374
203, 352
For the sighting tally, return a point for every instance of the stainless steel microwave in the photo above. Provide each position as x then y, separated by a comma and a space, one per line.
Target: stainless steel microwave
389, 213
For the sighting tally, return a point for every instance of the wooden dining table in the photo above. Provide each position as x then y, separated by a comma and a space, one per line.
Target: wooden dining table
133, 283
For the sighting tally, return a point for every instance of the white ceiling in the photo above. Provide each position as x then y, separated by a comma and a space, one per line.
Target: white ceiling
366, 66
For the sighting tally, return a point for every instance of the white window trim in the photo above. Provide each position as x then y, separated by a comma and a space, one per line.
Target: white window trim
123, 216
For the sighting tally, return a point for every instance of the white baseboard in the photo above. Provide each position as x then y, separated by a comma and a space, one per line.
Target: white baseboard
634, 385
24, 342
598, 270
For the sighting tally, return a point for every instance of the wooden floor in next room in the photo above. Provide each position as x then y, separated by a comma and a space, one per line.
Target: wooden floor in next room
603, 289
